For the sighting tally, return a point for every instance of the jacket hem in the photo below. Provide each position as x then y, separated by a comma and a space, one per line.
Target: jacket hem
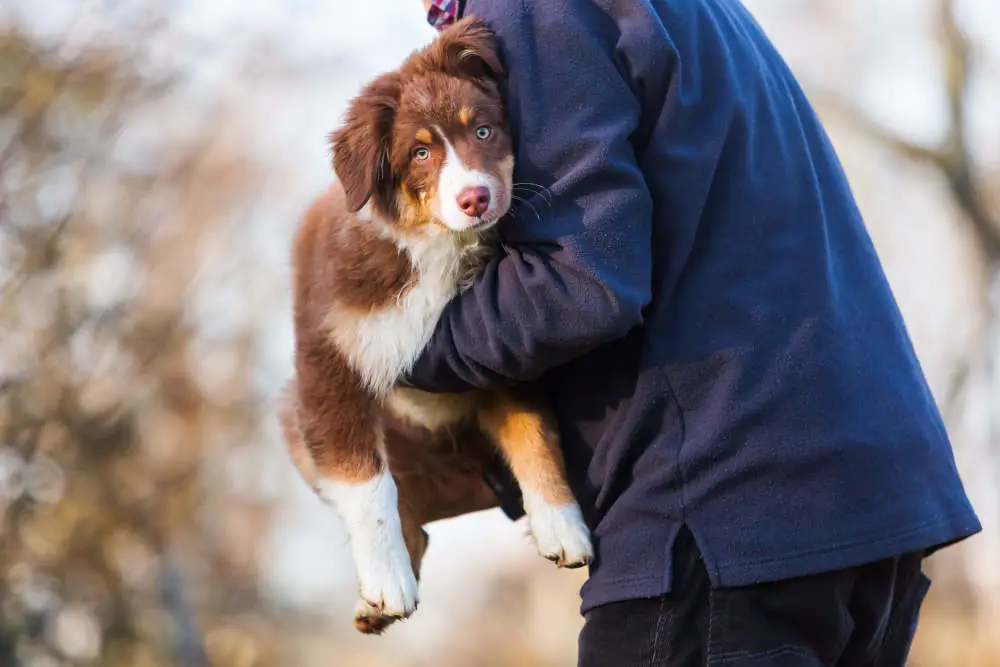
926, 537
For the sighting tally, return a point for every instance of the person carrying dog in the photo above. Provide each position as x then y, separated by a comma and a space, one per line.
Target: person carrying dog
745, 422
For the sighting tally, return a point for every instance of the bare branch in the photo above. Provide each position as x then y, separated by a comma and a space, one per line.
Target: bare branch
861, 121
952, 157
956, 53
959, 169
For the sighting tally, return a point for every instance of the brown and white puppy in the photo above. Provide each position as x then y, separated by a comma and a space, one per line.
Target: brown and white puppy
425, 166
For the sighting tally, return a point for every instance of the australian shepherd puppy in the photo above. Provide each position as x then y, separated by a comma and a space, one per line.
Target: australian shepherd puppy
424, 165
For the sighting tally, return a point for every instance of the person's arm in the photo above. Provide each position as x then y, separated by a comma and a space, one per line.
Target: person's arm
576, 271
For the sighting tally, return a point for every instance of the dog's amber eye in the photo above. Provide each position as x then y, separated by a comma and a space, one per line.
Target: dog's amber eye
421, 153
484, 132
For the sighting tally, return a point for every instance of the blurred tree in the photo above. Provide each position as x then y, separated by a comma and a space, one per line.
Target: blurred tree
109, 389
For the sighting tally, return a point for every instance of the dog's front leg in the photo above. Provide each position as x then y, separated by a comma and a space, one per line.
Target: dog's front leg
343, 434
386, 579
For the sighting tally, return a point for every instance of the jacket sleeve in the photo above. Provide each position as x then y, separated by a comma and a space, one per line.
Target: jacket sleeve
576, 268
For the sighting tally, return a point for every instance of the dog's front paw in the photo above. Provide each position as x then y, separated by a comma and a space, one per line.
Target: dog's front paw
369, 620
386, 581
388, 593
561, 534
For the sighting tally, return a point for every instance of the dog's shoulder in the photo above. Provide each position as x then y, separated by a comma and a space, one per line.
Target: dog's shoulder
344, 260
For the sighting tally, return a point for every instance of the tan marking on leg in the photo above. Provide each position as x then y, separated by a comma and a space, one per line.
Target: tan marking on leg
526, 434
528, 439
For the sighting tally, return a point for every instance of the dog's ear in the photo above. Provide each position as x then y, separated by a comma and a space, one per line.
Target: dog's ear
361, 144
469, 49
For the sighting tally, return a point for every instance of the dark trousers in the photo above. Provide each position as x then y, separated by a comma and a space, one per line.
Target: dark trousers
860, 617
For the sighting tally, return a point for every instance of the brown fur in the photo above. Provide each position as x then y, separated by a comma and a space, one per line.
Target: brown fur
346, 267
332, 406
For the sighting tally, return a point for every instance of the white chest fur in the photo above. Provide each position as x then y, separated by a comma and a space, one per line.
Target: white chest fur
384, 344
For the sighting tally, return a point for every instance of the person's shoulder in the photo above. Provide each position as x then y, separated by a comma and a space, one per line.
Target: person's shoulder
521, 18
509, 12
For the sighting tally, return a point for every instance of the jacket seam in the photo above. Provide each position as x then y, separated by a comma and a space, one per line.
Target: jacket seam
677, 465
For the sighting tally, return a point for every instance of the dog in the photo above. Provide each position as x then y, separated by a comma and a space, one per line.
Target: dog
424, 165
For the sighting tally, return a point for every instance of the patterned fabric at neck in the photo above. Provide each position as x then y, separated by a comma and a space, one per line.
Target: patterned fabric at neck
442, 13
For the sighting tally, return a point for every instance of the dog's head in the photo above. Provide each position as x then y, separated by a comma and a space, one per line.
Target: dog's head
429, 142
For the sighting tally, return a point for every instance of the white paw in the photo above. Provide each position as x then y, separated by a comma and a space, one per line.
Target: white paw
561, 534
369, 621
386, 581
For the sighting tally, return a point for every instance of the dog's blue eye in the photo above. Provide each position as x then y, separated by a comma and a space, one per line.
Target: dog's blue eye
421, 154
484, 132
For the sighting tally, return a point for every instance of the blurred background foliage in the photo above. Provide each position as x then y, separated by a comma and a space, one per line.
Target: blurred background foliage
153, 159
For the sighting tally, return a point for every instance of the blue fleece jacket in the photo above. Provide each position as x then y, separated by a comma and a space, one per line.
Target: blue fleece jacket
698, 294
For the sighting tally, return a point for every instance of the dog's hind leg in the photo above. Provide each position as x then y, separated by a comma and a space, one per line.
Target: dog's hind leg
524, 431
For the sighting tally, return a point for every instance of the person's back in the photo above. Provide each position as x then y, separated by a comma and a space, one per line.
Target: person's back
700, 297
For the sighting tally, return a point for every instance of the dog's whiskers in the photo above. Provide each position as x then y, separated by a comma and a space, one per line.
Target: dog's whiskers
540, 190
528, 204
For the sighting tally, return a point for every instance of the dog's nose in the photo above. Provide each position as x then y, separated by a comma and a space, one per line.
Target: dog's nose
474, 201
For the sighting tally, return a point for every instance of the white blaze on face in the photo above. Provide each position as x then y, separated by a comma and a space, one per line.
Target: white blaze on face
456, 177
